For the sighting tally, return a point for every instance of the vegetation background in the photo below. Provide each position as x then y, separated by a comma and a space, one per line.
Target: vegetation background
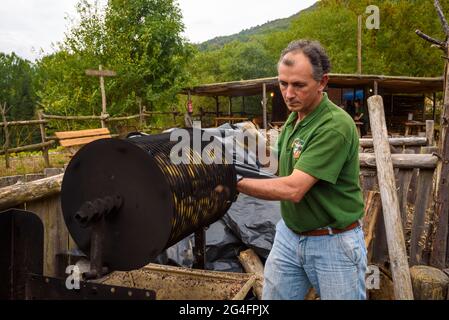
142, 41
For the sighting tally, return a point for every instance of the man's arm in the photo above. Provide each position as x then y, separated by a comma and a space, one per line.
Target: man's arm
291, 188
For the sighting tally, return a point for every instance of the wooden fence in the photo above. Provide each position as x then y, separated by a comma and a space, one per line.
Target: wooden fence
48, 141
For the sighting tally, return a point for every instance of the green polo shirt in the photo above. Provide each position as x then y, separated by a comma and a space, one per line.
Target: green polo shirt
325, 145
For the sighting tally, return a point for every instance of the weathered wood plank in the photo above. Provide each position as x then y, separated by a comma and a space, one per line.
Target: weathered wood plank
405, 141
404, 177
82, 133
252, 264
56, 236
81, 141
424, 207
373, 206
423, 210
100, 73
426, 161
390, 203
37, 146
12, 196
368, 179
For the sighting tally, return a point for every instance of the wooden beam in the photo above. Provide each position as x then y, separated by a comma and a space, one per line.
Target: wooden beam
24, 123
30, 147
19, 193
252, 264
81, 141
405, 141
100, 73
390, 204
407, 161
81, 133
54, 117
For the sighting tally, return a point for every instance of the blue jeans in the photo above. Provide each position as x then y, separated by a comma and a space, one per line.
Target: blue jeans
335, 265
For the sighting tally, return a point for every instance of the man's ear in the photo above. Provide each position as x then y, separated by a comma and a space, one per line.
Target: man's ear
323, 82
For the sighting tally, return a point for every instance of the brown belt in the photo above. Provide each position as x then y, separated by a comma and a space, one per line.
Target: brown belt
325, 232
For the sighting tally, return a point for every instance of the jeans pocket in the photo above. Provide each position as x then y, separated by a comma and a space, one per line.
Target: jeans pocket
350, 246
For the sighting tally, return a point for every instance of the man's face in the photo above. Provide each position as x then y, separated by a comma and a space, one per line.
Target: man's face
301, 92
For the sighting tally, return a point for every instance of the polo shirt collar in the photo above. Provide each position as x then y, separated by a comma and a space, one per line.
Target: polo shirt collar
293, 116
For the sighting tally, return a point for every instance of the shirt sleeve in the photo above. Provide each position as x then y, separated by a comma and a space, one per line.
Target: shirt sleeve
324, 155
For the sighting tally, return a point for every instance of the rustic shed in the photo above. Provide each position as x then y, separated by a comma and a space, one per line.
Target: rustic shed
403, 96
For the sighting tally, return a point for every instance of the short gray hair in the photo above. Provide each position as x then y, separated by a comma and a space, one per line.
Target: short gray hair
314, 51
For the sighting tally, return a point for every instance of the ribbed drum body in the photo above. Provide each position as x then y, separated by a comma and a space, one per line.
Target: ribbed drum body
202, 193
163, 202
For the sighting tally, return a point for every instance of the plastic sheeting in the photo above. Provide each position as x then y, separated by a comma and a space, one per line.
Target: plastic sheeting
254, 221
249, 223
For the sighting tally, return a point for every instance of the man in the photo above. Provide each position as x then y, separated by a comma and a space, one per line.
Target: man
319, 241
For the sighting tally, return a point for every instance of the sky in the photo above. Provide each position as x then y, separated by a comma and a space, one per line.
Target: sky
30, 28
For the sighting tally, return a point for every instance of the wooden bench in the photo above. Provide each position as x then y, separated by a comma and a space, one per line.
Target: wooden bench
81, 137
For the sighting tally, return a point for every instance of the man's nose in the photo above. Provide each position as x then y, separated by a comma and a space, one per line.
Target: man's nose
290, 92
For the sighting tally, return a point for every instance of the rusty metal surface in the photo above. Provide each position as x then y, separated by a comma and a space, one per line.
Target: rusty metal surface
174, 283
46, 288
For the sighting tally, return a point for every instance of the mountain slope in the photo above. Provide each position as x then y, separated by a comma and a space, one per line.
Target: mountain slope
245, 35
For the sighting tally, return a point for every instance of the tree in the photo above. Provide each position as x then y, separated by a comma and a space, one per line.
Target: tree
139, 39
16, 86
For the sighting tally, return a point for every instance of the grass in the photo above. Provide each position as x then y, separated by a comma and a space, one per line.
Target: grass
32, 162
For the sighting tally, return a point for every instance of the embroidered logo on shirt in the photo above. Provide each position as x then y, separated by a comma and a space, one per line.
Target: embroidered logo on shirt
297, 148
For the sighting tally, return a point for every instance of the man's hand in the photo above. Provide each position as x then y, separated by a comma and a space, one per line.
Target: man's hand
290, 188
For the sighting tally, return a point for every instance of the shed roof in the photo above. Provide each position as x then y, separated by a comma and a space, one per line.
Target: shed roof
391, 84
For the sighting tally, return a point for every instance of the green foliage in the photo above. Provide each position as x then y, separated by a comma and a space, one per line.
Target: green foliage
394, 49
17, 92
247, 34
139, 39
16, 86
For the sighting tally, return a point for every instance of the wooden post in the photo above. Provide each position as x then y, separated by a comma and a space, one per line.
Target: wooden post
102, 73
440, 255
141, 116
376, 88
56, 235
430, 127
359, 45
44, 149
264, 105
429, 283
390, 203
6, 131
434, 106
423, 212
230, 107
217, 107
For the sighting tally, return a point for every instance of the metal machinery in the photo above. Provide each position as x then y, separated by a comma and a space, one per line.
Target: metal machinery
124, 202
